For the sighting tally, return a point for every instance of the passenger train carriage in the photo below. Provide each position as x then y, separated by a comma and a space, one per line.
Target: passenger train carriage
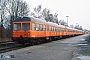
33, 30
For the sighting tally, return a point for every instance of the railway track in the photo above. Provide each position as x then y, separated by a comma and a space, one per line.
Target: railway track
9, 46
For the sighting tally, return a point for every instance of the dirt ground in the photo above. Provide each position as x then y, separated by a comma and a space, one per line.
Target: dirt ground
5, 39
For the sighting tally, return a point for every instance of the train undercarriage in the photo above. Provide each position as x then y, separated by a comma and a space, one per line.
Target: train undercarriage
40, 40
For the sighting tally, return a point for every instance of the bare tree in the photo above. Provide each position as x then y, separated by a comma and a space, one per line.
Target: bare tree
62, 22
17, 8
56, 18
3, 12
37, 11
71, 26
10, 9
45, 13
76, 26
80, 28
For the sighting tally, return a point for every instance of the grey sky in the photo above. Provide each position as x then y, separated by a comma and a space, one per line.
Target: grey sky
77, 10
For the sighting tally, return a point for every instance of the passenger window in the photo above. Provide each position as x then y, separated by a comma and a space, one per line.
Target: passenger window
41, 28
37, 27
49, 28
58, 29
33, 26
62, 29
44, 27
52, 28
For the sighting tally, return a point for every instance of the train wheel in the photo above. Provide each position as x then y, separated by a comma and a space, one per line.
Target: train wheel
32, 43
50, 39
23, 43
38, 42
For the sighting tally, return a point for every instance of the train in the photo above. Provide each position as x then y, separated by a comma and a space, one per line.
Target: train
34, 31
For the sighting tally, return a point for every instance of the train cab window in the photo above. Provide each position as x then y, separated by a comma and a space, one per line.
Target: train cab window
25, 26
44, 27
17, 26
37, 27
41, 27
33, 26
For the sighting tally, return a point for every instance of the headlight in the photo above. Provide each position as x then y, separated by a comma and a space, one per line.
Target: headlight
28, 33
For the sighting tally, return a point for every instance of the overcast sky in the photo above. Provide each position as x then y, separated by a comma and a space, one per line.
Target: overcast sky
77, 10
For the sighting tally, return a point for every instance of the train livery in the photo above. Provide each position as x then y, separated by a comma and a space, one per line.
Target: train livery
34, 30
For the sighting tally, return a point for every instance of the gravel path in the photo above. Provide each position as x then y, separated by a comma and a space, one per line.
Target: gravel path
65, 49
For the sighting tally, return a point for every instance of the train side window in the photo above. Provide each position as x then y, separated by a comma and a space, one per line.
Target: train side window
55, 29
44, 27
49, 28
37, 27
68, 30
33, 26
62, 29
58, 29
41, 27
52, 28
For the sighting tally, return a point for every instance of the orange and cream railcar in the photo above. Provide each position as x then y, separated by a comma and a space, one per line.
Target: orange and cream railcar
54, 30
33, 30
26, 29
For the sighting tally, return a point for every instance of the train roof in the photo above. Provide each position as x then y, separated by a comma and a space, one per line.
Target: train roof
21, 19
52, 24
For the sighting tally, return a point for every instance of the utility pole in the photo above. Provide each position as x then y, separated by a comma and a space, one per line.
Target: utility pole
67, 20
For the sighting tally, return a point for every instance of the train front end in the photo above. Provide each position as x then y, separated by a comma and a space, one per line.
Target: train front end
21, 31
